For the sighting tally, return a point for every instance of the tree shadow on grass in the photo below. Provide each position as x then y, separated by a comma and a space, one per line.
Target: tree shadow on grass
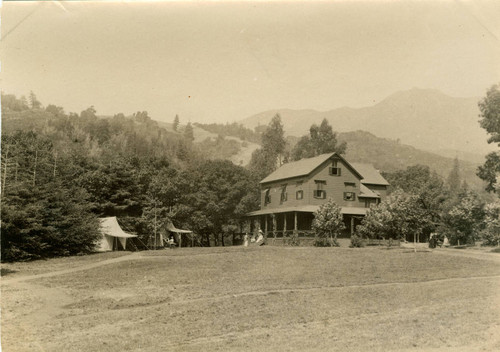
5, 271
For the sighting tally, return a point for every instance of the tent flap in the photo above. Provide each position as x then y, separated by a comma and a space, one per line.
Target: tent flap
110, 227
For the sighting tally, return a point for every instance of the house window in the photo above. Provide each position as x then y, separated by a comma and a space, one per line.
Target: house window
267, 197
367, 203
350, 184
283, 196
299, 194
320, 192
334, 170
349, 196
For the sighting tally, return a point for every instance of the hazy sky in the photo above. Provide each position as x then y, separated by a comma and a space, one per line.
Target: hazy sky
225, 61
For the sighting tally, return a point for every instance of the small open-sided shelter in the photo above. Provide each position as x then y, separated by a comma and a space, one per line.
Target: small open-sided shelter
113, 237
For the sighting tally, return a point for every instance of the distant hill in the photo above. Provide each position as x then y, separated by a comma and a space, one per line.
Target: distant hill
424, 118
390, 155
240, 153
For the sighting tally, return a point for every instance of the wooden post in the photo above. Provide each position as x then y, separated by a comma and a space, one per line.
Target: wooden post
284, 225
275, 225
265, 225
352, 225
295, 228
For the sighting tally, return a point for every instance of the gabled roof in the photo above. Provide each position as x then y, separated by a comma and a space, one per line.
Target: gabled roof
365, 192
370, 175
303, 167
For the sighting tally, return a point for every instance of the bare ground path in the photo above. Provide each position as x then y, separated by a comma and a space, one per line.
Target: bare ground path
132, 256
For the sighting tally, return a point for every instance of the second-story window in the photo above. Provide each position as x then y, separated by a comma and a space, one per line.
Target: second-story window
320, 192
283, 196
300, 194
267, 196
349, 196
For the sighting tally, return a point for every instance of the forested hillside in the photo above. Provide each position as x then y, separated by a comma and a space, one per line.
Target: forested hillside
61, 171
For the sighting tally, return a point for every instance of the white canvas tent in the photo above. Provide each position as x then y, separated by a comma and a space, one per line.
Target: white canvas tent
111, 233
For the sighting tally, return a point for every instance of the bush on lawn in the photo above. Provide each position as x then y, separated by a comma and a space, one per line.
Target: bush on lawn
356, 241
327, 225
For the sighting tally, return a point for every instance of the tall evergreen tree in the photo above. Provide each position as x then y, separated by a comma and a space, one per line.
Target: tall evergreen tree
454, 180
273, 152
176, 123
188, 132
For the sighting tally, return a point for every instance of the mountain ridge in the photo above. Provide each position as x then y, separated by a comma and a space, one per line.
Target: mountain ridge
424, 118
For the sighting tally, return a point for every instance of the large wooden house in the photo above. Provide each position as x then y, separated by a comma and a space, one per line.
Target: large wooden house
291, 194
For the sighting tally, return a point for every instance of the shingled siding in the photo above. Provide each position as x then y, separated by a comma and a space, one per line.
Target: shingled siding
293, 185
334, 186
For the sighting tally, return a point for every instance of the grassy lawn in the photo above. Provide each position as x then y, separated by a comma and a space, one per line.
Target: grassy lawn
260, 299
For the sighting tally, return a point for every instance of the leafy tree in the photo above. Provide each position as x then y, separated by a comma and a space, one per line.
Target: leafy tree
176, 122
188, 132
490, 121
11, 103
491, 231
55, 110
399, 216
214, 194
464, 221
327, 224
490, 113
490, 171
427, 186
321, 140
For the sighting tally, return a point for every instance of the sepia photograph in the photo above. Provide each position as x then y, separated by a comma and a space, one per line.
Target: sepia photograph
250, 175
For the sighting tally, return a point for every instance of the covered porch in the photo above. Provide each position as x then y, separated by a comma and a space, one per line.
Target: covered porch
283, 222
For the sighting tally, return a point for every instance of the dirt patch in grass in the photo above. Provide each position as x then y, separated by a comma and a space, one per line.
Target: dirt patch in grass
269, 298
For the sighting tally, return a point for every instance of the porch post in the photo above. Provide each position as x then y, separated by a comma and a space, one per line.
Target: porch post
284, 224
275, 225
352, 225
265, 225
295, 228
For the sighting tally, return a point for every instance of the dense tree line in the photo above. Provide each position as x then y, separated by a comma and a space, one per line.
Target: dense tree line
61, 172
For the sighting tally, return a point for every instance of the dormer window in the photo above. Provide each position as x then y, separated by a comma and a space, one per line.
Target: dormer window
334, 169
283, 196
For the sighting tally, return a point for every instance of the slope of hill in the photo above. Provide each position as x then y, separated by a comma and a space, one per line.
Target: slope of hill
424, 118
390, 155
243, 149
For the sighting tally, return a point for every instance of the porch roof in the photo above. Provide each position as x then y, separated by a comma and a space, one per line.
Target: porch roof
307, 209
